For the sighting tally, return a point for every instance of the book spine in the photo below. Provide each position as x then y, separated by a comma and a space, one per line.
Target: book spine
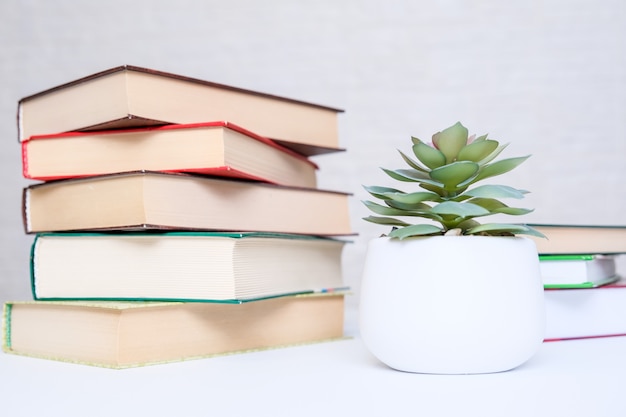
566, 257
25, 161
6, 326
32, 263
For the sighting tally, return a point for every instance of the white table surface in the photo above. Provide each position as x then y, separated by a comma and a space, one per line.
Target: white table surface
567, 378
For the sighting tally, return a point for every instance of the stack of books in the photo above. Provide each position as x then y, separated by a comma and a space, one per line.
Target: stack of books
584, 292
175, 218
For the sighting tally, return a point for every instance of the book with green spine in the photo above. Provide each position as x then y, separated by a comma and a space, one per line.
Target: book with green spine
577, 271
182, 266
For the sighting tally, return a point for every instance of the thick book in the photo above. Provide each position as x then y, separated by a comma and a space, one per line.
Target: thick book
580, 239
577, 271
586, 312
130, 96
127, 334
214, 148
177, 266
155, 200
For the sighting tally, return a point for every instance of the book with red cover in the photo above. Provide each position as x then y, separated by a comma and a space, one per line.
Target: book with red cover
586, 312
214, 148
130, 96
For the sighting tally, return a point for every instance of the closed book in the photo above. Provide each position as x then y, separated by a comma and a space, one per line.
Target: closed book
127, 334
226, 267
155, 200
215, 148
577, 271
580, 239
131, 96
586, 312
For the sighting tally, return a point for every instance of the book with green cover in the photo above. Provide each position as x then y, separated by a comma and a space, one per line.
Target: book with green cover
182, 266
129, 334
577, 271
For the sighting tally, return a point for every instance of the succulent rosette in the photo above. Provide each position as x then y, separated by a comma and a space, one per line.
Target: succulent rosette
447, 172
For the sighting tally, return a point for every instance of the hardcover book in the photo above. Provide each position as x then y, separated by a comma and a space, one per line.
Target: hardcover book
580, 239
226, 267
216, 148
159, 201
577, 271
123, 335
130, 96
586, 312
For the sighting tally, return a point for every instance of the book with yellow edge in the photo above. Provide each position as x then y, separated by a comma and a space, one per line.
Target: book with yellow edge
129, 334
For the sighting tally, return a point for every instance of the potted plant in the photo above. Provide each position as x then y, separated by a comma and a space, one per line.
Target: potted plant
448, 294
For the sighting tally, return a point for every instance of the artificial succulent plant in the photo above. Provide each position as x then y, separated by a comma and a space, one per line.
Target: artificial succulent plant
447, 172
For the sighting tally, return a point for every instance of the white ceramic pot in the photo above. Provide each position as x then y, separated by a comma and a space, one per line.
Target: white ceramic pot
452, 304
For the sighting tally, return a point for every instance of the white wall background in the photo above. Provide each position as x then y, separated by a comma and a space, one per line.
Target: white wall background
548, 76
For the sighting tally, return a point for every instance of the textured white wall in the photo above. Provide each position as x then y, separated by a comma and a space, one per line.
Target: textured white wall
548, 76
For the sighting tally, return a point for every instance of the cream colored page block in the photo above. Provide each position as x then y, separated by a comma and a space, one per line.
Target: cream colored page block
118, 152
264, 161
90, 336
153, 335
96, 100
178, 101
263, 258
112, 203
248, 208
198, 268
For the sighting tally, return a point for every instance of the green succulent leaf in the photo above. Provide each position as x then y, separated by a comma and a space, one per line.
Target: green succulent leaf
493, 155
412, 163
437, 189
477, 150
414, 207
381, 192
480, 138
415, 140
386, 221
391, 211
450, 141
445, 171
416, 230
496, 191
403, 175
459, 209
383, 210
429, 156
497, 207
412, 198
499, 167
514, 211
411, 175
454, 174
467, 224
503, 228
